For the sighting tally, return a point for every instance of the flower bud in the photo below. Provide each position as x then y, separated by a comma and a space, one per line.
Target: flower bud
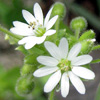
25, 85
59, 9
78, 23
87, 46
27, 69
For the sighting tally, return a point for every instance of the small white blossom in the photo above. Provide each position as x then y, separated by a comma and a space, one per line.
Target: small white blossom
64, 66
37, 29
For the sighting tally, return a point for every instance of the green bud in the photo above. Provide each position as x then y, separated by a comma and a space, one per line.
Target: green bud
25, 85
87, 46
27, 69
59, 9
87, 35
78, 23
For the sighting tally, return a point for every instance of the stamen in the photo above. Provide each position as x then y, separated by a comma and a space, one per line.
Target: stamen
31, 24
34, 23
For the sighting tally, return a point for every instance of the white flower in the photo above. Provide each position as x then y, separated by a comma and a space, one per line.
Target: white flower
65, 67
37, 29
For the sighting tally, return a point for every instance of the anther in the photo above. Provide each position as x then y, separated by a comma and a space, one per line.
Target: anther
33, 27
31, 24
28, 26
34, 23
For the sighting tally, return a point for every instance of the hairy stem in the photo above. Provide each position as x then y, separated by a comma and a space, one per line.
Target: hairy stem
2, 29
77, 33
51, 95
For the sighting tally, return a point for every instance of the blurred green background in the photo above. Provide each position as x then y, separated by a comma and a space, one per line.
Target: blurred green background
11, 60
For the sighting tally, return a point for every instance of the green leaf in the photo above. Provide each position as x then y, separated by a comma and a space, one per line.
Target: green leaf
35, 50
96, 61
96, 47
87, 35
97, 97
61, 33
87, 66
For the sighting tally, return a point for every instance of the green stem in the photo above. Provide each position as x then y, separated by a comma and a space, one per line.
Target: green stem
51, 96
9, 33
77, 32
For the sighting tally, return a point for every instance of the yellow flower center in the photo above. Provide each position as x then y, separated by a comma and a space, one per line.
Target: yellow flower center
64, 65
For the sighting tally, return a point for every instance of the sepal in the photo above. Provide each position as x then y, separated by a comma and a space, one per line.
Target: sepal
90, 34
27, 69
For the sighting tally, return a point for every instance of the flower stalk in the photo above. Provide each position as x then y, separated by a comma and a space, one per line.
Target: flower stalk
2, 29
51, 95
77, 32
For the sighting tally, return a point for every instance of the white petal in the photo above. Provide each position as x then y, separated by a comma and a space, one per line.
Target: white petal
52, 81
74, 51
47, 17
34, 40
28, 16
40, 40
83, 72
78, 84
53, 49
38, 13
64, 85
20, 24
29, 45
48, 61
50, 32
23, 41
30, 42
51, 22
63, 46
22, 31
44, 71
81, 60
